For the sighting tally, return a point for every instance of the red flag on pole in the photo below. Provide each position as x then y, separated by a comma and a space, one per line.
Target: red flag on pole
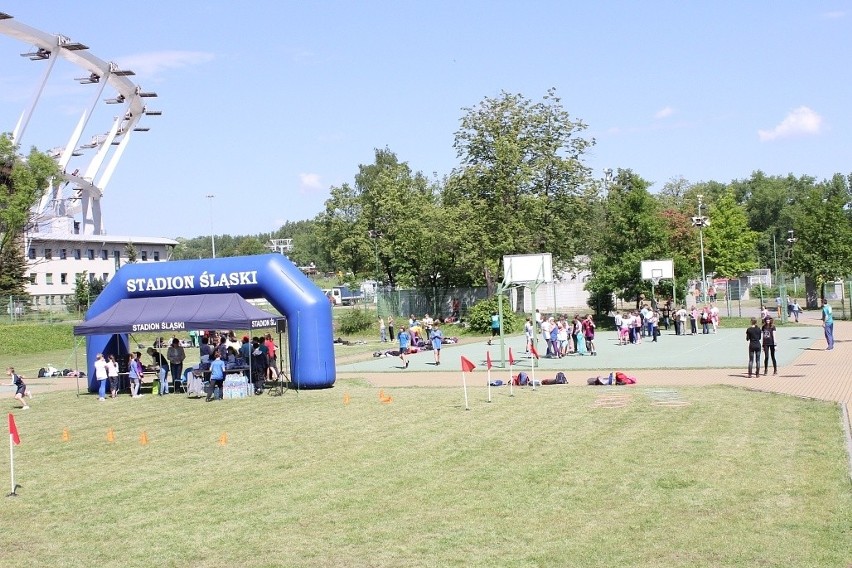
13, 429
511, 357
467, 365
488, 359
533, 351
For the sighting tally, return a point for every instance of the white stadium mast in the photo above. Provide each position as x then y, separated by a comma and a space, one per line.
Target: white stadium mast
79, 192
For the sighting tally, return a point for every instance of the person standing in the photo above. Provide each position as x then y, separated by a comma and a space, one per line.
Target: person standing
437, 338
404, 341
797, 309
828, 324
769, 346
112, 374
135, 373
589, 333
528, 334
495, 326
101, 374
175, 355
383, 334
21, 389
217, 377
754, 336
390, 329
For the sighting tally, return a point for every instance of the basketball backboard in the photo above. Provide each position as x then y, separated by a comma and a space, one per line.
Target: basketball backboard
522, 268
657, 269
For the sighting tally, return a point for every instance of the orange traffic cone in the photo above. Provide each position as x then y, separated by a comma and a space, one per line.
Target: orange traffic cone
110, 436
346, 398
143, 439
66, 436
223, 439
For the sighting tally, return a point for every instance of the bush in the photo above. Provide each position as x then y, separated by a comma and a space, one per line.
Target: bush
355, 321
479, 316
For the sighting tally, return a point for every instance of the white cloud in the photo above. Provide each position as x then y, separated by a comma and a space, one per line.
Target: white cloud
150, 64
835, 15
309, 183
664, 112
800, 121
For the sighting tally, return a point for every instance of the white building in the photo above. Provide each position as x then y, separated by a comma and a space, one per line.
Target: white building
54, 260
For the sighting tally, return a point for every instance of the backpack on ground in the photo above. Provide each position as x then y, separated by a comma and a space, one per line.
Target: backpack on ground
623, 379
42, 372
521, 380
560, 379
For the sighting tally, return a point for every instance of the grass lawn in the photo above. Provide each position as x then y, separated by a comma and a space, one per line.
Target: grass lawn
545, 478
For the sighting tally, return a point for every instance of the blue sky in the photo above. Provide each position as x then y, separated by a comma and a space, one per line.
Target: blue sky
268, 104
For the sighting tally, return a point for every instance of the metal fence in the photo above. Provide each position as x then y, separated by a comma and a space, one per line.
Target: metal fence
38, 309
451, 303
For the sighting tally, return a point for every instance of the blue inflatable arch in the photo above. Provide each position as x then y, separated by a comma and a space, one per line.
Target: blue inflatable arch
270, 276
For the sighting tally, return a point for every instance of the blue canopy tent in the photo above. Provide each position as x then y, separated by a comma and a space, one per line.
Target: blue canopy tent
178, 314
175, 314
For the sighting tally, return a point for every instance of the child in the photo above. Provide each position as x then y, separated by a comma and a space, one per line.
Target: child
22, 390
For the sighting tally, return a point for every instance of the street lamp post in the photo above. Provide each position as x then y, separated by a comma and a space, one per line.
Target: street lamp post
700, 221
212, 234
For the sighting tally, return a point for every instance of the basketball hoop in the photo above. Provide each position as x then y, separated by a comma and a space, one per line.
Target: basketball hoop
655, 282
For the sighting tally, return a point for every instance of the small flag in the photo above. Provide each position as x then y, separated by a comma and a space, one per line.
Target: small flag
488, 359
13, 429
533, 351
511, 357
467, 364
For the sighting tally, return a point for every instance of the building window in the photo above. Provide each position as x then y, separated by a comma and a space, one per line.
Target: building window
104, 255
144, 255
105, 276
48, 254
78, 254
32, 277
116, 255
48, 278
32, 254
91, 277
63, 278
63, 254
91, 254
156, 255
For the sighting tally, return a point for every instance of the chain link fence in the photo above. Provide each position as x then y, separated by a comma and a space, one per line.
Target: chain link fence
39, 309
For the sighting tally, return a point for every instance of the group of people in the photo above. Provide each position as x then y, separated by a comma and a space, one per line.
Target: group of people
561, 336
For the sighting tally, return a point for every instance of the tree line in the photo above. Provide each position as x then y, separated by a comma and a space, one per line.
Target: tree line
522, 186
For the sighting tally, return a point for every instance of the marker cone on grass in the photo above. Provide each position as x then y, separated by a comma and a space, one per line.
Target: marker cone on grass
66, 436
346, 398
110, 435
223, 439
143, 439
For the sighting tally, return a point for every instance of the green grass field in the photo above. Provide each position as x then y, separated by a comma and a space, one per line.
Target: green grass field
544, 478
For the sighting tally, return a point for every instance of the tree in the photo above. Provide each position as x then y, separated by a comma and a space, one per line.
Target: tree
22, 183
729, 243
823, 247
130, 250
633, 231
522, 179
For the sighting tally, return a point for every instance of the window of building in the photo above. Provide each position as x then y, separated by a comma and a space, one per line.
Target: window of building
63, 278
91, 254
104, 255
156, 255
32, 277
144, 255
116, 255
91, 277
48, 254
63, 254
48, 278
78, 254
32, 254
105, 276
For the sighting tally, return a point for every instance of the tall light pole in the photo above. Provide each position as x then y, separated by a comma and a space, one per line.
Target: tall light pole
376, 235
700, 221
212, 234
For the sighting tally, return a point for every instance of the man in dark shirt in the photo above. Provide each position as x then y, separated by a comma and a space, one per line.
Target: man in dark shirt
754, 336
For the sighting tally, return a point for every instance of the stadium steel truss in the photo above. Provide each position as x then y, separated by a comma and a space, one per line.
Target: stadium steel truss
77, 194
